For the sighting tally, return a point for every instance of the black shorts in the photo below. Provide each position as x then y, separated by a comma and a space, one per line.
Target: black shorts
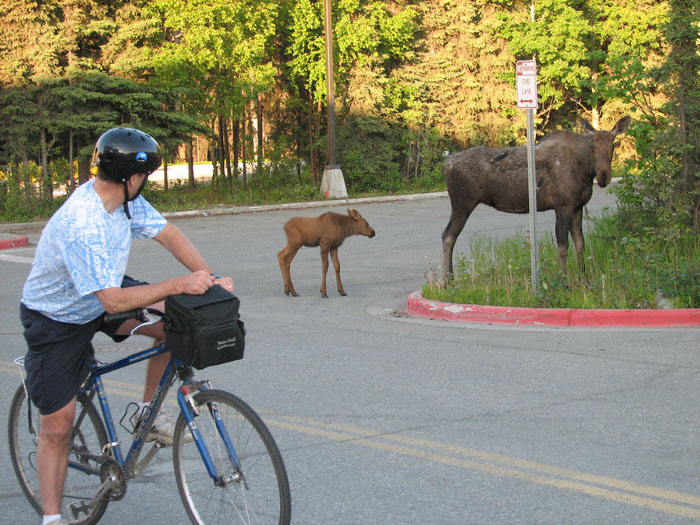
58, 355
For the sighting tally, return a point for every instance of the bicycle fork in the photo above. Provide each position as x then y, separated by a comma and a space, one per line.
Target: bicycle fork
190, 410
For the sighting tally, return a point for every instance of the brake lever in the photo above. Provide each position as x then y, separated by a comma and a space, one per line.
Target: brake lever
151, 319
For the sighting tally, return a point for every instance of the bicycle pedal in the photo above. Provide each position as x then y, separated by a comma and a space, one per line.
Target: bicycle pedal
79, 509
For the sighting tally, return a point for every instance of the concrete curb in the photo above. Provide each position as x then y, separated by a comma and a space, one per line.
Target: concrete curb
234, 210
418, 306
15, 242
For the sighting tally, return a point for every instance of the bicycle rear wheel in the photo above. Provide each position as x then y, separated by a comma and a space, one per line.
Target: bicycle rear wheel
258, 492
83, 478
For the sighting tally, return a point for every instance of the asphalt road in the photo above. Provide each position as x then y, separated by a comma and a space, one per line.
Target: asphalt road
390, 420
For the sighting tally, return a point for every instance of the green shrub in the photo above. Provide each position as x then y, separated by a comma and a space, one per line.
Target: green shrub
622, 271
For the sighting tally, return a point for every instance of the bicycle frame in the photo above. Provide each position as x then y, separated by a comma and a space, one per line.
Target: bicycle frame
222, 431
185, 401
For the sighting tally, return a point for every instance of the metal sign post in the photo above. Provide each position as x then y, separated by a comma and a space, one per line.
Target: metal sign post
526, 83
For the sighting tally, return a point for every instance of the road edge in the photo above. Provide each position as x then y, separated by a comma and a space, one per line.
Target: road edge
418, 306
15, 242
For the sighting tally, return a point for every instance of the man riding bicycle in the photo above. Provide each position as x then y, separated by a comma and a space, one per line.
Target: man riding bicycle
78, 274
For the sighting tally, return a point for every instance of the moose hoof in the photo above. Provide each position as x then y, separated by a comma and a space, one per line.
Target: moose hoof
324, 296
343, 294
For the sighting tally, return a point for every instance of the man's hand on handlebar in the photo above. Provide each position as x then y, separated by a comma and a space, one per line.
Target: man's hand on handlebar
200, 281
225, 282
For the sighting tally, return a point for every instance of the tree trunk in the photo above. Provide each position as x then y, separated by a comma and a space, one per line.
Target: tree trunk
260, 134
165, 173
315, 153
71, 161
222, 145
190, 163
227, 147
312, 156
251, 135
243, 157
45, 175
236, 145
300, 146
214, 153
83, 170
26, 176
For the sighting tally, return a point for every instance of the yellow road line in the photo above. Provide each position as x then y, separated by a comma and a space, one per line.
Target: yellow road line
611, 489
374, 441
520, 463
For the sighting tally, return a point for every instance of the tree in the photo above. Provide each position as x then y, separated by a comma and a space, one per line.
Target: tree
661, 187
575, 42
370, 40
218, 52
30, 41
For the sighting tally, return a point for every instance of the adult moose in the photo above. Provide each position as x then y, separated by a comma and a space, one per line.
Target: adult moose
565, 164
327, 231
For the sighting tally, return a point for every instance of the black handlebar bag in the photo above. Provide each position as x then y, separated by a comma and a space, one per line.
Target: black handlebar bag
204, 330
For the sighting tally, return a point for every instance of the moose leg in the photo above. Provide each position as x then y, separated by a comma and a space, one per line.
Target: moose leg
336, 265
324, 270
577, 236
285, 257
449, 236
561, 230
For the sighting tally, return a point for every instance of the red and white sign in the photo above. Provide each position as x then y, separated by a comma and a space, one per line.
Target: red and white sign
526, 83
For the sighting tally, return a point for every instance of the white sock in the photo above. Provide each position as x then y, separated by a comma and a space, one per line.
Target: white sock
52, 517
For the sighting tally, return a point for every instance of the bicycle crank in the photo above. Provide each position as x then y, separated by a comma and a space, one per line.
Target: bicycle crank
113, 479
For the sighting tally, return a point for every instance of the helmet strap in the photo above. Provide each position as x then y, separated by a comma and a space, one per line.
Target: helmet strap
126, 200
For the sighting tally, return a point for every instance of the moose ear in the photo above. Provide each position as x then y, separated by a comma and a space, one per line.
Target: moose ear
587, 126
621, 125
354, 214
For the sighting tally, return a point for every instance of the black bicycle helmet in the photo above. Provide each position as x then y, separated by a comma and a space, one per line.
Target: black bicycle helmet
121, 152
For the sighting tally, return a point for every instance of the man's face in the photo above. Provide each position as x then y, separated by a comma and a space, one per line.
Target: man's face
135, 184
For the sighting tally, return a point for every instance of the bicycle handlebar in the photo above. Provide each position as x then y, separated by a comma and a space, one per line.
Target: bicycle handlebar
138, 313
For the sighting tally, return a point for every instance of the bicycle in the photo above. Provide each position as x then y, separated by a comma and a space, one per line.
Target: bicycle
243, 478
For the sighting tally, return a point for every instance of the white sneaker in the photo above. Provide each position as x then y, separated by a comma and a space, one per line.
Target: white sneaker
163, 428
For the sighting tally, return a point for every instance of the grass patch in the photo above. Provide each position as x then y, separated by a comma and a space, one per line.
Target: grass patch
622, 271
261, 189
277, 185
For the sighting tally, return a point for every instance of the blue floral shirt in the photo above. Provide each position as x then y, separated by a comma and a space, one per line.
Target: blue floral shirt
84, 249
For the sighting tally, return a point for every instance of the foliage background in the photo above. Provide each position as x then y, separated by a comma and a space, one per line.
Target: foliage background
241, 84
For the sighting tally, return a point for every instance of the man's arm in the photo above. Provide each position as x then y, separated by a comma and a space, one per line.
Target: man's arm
122, 299
196, 283
177, 243
173, 240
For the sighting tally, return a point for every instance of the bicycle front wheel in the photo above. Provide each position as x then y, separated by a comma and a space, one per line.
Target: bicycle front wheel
84, 462
257, 491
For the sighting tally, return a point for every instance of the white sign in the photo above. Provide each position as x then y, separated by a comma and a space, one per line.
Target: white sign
526, 83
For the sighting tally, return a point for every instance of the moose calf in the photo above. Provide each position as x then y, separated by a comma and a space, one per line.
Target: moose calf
327, 231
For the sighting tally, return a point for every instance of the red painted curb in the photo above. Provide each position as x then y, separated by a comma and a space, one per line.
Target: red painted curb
418, 306
18, 242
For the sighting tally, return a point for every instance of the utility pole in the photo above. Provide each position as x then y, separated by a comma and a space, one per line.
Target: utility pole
332, 182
